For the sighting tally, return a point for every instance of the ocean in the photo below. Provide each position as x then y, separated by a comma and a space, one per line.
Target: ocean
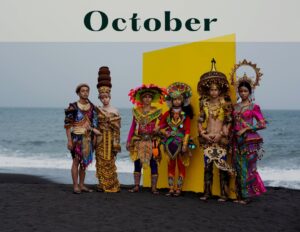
33, 141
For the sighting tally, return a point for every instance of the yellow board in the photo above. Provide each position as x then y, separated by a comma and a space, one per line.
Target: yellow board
186, 63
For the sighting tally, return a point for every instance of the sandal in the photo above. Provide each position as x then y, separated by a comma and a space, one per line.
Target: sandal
222, 199
204, 198
170, 193
135, 189
242, 202
177, 193
155, 192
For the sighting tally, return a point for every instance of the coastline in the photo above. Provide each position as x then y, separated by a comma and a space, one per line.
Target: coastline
31, 203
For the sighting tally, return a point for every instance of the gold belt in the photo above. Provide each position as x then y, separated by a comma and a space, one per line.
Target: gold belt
79, 130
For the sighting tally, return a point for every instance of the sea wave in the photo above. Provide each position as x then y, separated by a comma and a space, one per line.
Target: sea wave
45, 161
275, 177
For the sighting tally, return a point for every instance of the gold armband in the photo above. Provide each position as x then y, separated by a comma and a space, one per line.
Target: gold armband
186, 140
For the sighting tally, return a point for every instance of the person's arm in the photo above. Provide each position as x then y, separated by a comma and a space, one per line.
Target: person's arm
69, 137
187, 127
163, 124
228, 111
131, 132
68, 123
260, 120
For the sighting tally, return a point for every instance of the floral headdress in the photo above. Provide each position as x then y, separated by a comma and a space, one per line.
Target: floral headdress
178, 89
155, 91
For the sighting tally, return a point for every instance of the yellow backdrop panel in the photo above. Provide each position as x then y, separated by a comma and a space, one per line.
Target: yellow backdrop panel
186, 63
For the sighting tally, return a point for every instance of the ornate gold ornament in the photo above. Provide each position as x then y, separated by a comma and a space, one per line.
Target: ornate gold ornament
254, 81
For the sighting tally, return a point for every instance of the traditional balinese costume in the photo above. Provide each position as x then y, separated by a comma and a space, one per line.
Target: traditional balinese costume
108, 142
80, 118
248, 146
175, 127
142, 138
220, 112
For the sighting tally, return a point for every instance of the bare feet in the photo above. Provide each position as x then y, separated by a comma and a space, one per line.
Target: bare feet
76, 190
86, 189
135, 189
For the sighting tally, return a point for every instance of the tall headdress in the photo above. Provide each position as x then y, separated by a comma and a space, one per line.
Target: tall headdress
157, 93
213, 77
252, 81
104, 81
181, 90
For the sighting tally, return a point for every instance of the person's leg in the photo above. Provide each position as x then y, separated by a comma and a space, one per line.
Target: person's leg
171, 175
83, 188
208, 175
154, 176
74, 173
136, 176
181, 175
223, 185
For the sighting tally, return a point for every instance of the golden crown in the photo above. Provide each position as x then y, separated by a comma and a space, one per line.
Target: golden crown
104, 89
254, 81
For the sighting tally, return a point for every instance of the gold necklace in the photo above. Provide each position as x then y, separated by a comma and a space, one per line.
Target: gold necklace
214, 110
83, 107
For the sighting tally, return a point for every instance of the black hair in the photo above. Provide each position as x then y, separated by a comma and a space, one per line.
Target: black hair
188, 110
247, 85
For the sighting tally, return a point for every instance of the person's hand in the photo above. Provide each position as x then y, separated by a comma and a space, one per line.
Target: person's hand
207, 138
96, 132
156, 129
217, 138
70, 145
242, 131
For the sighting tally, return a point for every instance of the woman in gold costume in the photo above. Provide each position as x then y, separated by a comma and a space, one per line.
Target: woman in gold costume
108, 142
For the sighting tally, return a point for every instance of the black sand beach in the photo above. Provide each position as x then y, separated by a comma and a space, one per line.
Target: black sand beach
30, 203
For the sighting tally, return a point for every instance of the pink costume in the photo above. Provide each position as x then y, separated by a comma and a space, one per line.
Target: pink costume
247, 149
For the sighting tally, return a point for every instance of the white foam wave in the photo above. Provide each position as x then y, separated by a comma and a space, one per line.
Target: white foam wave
289, 178
123, 165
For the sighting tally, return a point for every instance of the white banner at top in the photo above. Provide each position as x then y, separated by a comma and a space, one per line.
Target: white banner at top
148, 21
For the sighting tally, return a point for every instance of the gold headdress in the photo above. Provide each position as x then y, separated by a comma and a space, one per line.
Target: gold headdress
104, 80
213, 77
254, 81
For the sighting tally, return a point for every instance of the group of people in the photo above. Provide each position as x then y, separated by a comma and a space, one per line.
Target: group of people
223, 128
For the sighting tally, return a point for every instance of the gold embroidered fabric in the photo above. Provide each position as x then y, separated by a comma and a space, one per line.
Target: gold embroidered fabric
144, 119
217, 154
108, 145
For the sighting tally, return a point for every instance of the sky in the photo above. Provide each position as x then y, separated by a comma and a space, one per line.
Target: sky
36, 74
